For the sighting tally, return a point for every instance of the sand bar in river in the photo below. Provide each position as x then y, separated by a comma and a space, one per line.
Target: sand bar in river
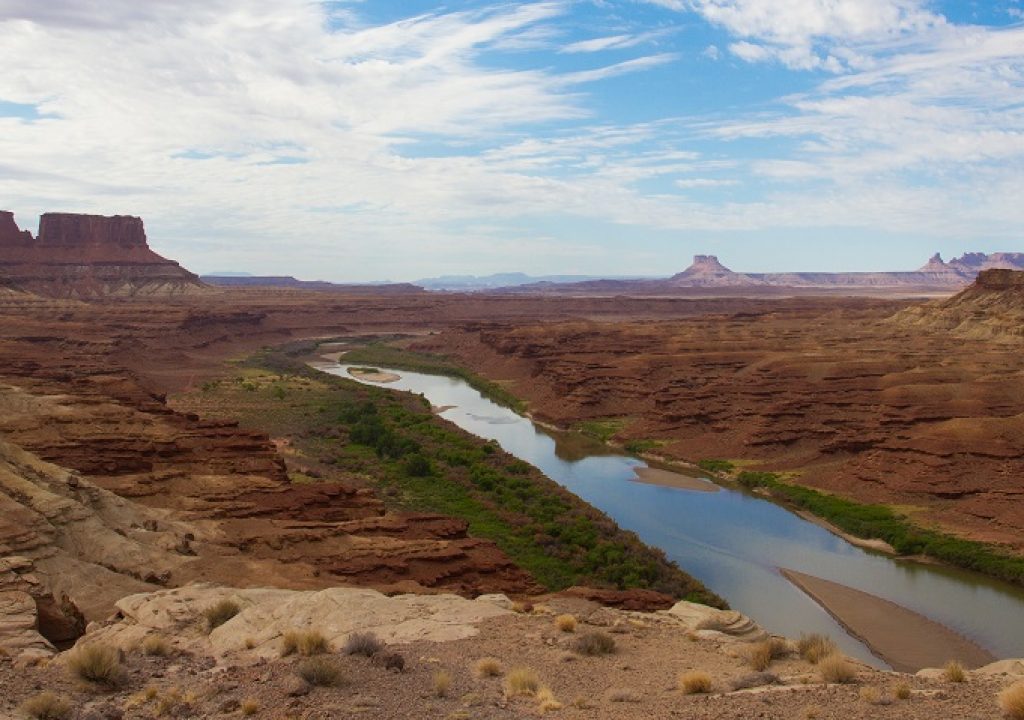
654, 476
903, 638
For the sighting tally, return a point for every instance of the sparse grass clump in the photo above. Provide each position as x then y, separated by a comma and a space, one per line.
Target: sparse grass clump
304, 642
546, 700
156, 646
566, 623
442, 683
97, 663
319, 671
249, 707
954, 672
522, 681
836, 669
46, 706
901, 690
363, 643
814, 647
1011, 701
219, 613
623, 695
871, 695
594, 643
760, 655
695, 682
488, 667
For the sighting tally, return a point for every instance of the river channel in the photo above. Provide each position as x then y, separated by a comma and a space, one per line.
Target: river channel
733, 541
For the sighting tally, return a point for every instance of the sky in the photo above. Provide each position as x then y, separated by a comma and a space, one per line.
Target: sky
366, 140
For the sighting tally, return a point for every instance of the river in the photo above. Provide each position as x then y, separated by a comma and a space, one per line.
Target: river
733, 541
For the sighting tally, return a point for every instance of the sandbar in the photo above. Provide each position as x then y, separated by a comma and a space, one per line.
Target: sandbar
901, 637
665, 478
374, 377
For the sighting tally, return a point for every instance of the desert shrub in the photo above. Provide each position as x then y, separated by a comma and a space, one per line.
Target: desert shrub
716, 466
695, 682
566, 623
1011, 701
156, 646
522, 681
363, 643
488, 667
522, 607
319, 671
901, 690
955, 672
623, 695
219, 613
96, 663
442, 683
303, 642
388, 661
871, 695
815, 647
46, 706
813, 712
417, 466
546, 700
594, 643
760, 655
249, 707
836, 669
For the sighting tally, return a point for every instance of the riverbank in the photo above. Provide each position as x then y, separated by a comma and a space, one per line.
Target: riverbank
906, 640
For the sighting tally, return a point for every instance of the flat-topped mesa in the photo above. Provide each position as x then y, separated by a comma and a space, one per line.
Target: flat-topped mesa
999, 279
707, 264
707, 271
88, 256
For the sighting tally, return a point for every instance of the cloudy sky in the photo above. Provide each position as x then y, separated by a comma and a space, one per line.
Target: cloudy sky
372, 139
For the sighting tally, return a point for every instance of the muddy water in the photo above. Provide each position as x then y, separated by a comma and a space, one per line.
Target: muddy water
734, 542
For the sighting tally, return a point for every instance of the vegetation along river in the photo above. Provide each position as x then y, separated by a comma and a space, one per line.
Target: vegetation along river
733, 541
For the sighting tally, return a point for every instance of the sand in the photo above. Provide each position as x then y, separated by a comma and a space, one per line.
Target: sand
903, 638
374, 377
665, 478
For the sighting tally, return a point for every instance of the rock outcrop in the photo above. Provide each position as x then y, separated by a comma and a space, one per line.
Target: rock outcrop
992, 308
85, 256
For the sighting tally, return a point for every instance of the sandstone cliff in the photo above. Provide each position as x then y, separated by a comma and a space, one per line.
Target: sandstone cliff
991, 308
84, 256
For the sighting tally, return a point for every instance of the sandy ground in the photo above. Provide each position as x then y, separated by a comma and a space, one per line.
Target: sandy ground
637, 682
875, 544
666, 478
374, 377
903, 638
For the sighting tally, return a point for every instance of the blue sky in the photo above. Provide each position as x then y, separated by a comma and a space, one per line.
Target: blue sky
369, 140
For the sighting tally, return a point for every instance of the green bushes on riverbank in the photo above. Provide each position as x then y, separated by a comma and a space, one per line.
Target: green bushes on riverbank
341, 429
879, 521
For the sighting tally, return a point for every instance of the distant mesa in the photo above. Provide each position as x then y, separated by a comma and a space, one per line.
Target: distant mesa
85, 256
992, 308
242, 280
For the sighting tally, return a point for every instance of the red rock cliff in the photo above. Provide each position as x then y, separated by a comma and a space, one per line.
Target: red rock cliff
88, 255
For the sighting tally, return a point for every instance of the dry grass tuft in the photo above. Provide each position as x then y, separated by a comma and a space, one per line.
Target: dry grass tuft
813, 712
901, 690
1011, 701
521, 681
488, 667
363, 643
759, 655
46, 706
871, 695
814, 648
547, 702
304, 642
623, 695
566, 623
96, 663
219, 613
156, 646
319, 671
695, 682
522, 607
594, 643
249, 707
442, 683
954, 672
836, 669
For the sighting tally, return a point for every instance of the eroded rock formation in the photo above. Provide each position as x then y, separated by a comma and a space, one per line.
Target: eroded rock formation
88, 256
